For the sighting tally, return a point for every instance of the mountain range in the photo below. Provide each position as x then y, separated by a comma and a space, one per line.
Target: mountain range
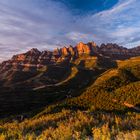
53, 66
35, 79
82, 92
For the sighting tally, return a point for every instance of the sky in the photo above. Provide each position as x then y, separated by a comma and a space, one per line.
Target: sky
48, 24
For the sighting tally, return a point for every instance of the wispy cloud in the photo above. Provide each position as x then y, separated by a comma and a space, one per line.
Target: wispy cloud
49, 24
119, 7
119, 24
26, 28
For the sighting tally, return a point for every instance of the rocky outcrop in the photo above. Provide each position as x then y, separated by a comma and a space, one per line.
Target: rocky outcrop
49, 67
118, 52
64, 51
45, 57
34, 58
93, 47
83, 48
28, 57
135, 50
71, 51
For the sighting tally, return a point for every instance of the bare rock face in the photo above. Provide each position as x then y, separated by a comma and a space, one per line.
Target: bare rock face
56, 52
93, 47
30, 56
45, 57
65, 51
51, 66
117, 52
135, 50
83, 48
33, 59
21, 57
71, 51
34, 51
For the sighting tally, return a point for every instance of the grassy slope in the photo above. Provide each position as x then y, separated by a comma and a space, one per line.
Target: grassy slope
72, 85
121, 84
86, 116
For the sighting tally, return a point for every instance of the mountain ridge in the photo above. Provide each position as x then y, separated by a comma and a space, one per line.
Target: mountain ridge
35, 79
59, 54
52, 66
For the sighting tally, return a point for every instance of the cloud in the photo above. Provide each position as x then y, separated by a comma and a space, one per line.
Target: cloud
119, 7
25, 28
118, 24
77, 36
50, 24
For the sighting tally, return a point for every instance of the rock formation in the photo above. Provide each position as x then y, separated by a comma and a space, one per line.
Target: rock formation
35, 58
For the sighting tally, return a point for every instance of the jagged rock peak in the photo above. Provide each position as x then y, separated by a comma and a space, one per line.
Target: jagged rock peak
111, 46
92, 43
34, 51
83, 48
114, 51
65, 51
56, 52
71, 50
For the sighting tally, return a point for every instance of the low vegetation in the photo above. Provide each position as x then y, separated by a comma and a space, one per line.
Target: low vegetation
106, 108
70, 124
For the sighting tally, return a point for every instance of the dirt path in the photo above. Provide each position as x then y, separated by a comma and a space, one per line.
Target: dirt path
74, 71
127, 105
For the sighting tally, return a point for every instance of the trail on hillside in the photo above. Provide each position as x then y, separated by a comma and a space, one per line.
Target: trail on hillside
74, 71
127, 105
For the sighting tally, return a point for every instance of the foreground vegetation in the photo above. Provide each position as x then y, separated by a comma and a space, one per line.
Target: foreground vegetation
76, 125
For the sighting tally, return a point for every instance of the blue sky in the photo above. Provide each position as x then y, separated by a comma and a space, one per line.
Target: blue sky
47, 24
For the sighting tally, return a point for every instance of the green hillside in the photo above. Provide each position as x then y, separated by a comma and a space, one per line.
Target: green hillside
91, 102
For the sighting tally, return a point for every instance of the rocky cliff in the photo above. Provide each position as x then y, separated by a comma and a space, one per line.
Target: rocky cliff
35, 58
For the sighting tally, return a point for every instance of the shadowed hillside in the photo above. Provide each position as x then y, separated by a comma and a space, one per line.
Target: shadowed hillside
80, 92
